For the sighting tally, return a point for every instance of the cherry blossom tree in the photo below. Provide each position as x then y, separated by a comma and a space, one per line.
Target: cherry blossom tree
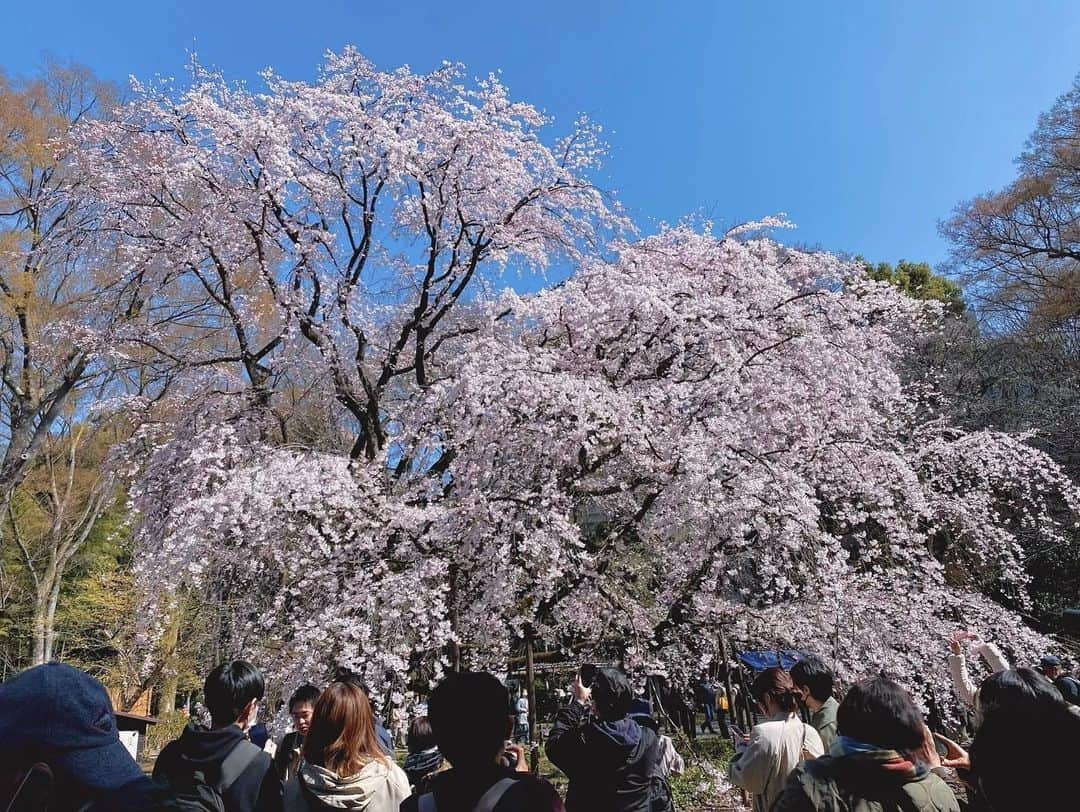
692, 429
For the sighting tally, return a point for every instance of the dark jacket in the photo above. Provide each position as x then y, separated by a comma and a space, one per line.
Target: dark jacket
287, 757
705, 693
855, 784
1069, 687
385, 740
142, 795
258, 789
609, 764
458, 791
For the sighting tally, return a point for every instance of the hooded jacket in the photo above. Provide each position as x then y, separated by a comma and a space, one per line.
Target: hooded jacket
380, 786
864, 782
609, 763
258, 789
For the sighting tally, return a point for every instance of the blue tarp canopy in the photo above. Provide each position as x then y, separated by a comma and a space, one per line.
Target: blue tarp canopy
760, 660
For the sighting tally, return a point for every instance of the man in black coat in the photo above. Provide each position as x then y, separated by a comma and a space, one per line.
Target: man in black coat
231, 694
301, 708
609, 758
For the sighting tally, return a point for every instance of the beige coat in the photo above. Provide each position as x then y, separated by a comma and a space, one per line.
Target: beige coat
380, 786
774, 750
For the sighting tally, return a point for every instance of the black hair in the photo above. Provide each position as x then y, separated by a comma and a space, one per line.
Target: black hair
1019, 687
1025, 757
304, 694
350, 677
879, 712
612, 694
814, 675
468, 715
229, 688
421, 736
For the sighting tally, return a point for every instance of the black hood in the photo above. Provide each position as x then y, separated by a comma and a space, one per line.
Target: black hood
203, 748
616, 743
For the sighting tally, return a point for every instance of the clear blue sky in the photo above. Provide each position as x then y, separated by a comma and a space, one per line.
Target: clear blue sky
865, 121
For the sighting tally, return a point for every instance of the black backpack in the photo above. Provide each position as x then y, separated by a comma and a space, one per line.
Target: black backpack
660, 797
195, 792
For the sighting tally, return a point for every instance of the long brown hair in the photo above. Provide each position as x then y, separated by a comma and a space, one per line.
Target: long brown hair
342, 733
775, 682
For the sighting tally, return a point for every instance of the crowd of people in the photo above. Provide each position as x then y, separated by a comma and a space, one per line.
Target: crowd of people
872, 751
809, 750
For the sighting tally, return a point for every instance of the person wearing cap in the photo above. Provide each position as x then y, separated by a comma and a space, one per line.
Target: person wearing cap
231, 693
1052, 670
57, 715
609, 758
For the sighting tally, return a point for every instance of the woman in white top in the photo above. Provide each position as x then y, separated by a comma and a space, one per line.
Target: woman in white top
962, 682
765, 758
343, 766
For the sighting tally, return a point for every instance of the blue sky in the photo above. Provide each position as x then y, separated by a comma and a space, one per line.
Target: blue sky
865, 121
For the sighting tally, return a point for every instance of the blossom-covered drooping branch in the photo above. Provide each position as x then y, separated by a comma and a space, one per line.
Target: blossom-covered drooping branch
693, 429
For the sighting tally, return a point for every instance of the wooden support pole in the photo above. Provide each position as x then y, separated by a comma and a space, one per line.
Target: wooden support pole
530, 682
731, 718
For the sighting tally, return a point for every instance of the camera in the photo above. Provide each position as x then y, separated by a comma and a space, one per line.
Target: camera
587, 674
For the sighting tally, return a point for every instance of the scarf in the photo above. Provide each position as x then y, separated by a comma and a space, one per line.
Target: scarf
872, 757
424, 762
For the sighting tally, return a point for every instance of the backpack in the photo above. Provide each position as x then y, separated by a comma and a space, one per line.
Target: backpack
195, 792
487, 803
660, 797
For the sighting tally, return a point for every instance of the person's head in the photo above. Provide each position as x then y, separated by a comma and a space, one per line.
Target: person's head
1025, 757
611, 694
814, 679
775, 692
470, 717
60, 716
421, 737
302, 707
879, 712
1050, 666
1020, 687
347, 675
232, 692
341, 736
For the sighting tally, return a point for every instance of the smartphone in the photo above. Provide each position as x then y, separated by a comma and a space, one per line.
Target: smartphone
587, 674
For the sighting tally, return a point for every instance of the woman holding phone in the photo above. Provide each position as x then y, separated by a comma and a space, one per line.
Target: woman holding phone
764, 759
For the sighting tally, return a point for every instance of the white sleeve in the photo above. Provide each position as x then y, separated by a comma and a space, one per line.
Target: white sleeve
994, 658
751, 769
962, 683
397, 786
678, 766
